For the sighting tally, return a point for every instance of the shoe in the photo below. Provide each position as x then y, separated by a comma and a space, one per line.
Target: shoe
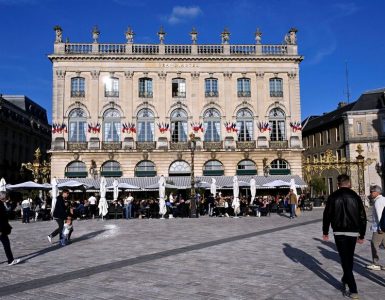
374, 267
49, 239
14, 262
353, 296
343, 287
383, 268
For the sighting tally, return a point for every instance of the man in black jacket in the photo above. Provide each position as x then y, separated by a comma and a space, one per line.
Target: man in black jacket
345, 213
59, 213
5, 230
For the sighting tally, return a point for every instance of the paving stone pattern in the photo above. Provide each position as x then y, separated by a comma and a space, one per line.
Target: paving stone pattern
207, 258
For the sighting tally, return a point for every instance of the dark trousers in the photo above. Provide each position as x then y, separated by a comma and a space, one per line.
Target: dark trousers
26, 212
7, 247
59, 230
346, 246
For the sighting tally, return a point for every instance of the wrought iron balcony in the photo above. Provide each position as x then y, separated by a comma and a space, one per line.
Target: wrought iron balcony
213, 145
179, 146
276, 94
244, 94
145, 94
145, 145
77, 145
111, 93
111, 145
211, 94
246, 145
78, 94
278, 144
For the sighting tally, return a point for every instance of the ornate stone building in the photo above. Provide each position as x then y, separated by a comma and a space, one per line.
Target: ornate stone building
23, 128
331, 142
129, 109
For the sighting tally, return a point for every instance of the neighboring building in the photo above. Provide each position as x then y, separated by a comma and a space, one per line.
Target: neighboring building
129, 109
23, 128
342, 130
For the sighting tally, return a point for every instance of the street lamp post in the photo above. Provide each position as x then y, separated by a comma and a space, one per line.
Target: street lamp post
193, 205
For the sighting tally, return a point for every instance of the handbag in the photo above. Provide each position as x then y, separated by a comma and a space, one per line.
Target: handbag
297, 211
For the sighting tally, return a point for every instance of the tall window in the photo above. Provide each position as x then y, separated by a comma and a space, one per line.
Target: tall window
111, 125
111, 87
327, 136
178, 126
321, 138
211, 87
245, 125
78, 87
279, 167
145, 87
244, 87
77, 125
212, 125
145, 168
359, 128
111, 168
146, 123
246, 167
276, 87
213, 168
179, 88
277, 125
76, 169
338, 136
179, 168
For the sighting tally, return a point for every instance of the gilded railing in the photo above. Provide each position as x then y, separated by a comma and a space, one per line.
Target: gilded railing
145, 145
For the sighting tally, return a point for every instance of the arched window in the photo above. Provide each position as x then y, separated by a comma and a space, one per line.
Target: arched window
78, 87
276, 87
246, 167
77, 121
213, 168
279, 167
145, 125
277, 125
244, 87
178, 126
211, 87
111, 87
145, 168
179, 168
145, 87
245, 125
111, 125
111, 168
76, 169
179, 88
212, 125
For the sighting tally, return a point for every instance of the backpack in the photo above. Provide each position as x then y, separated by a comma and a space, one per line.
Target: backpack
382, 221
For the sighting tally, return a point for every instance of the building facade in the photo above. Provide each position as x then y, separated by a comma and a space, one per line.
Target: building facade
129, 110
333, 139
23, 128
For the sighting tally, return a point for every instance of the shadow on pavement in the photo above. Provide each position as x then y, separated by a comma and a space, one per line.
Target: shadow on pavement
301, 257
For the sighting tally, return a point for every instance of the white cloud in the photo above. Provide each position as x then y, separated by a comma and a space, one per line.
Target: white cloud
183, 13
321, 53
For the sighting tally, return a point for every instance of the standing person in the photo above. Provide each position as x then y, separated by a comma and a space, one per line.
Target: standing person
5, 230
128, 205
26, 206
345, 213
92, 204
59, 213
378, 236
293, 201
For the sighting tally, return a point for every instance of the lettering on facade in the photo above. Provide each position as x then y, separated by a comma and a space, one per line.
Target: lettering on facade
179, 65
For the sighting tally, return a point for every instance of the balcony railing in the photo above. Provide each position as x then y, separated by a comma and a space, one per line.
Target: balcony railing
246, 145
179, 145
112, 48
78, 94
179, 94
111, 145
278, 144
178, 49
210, 49
276, 94
145, 145
144, 94
213, 145
244, 94
78, 48
243, 49
145, 49
77, 145
111, 93
211, 94
274, 49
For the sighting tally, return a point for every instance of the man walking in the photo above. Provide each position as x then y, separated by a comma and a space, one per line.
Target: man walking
345, 213
293, 201
5, 230
59, 213
92, 201
378, 236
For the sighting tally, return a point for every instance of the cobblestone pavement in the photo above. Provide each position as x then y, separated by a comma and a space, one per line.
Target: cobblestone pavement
207, 258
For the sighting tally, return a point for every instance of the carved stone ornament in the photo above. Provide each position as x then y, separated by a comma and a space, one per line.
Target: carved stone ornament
59, 34
95, 34
227, 74
213, 155
292, 74
162, 75
76, 156
258, 36
130, 35
179, 155
95, 74
279, 154
111, 156
194, 75
194, 36
128, 74
145, 155
260, 75
246, 155
60, 74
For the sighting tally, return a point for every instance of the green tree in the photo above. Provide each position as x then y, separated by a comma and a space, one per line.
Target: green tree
318, 185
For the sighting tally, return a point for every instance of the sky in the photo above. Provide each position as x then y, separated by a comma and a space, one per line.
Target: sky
331, 35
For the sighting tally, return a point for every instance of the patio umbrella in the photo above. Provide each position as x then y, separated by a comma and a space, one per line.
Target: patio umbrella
155, 186
162, 194
28, 185
253, 189
124, 186
115, 185
103, 207
293, 187
2, 185
213, 187
235, 203
277, 183
54, 190
74, 184
202, 185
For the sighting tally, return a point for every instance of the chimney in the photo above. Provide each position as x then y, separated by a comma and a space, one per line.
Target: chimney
341, 104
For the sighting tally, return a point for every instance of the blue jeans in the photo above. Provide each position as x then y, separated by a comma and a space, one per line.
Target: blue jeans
26, 212
292, 210
128, 211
